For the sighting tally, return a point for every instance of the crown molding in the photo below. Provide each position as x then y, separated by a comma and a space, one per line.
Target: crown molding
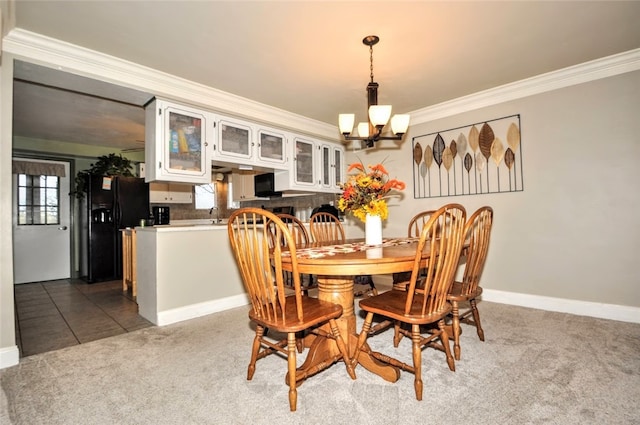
600, 68
46, 51
68, 57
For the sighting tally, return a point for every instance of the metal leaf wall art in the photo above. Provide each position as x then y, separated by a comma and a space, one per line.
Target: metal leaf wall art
475, 160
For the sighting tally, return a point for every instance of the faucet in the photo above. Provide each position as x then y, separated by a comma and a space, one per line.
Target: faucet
217, 219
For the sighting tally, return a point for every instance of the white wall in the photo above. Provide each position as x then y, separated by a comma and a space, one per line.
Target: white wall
573, 232
8, 348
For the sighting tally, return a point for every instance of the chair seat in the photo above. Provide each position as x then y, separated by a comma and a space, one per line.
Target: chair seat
455, 294
392, 304
315, 312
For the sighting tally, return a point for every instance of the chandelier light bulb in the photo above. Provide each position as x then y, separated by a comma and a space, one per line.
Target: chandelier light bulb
363, 129
400, 123
346, 122
379, 114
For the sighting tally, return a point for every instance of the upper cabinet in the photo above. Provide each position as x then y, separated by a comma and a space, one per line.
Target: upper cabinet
331, 166
317, 167
178, 143
235, 141
272, 147
170, 193
243, 142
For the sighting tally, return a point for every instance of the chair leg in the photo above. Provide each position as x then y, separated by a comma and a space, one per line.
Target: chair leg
255, 349
456, 329
362, 338
417, 360
291, 361
300, 341
476, 318
342, 347
444, 337
372, 287
397, 335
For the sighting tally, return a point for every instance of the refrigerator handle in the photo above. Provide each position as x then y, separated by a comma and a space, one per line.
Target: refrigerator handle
117, 208
117, 214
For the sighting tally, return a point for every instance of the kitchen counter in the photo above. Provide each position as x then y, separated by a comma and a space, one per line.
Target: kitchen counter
186, 270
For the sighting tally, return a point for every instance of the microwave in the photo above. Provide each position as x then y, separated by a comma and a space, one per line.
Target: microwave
264, 186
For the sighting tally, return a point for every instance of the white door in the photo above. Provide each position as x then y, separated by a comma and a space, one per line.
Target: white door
41, 226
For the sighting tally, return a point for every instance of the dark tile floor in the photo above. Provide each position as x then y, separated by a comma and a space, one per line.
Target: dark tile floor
56, 314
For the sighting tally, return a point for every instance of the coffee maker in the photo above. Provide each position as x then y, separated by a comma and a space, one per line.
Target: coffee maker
161, 215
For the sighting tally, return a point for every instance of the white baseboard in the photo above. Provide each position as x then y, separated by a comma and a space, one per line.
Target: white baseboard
201, 309
621, 313
9, 356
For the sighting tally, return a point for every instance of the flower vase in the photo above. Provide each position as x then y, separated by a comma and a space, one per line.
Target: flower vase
373, 230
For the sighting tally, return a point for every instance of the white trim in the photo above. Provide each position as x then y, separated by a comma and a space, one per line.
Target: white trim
201, 309
9, 356
89, 63
588, 71
621, 313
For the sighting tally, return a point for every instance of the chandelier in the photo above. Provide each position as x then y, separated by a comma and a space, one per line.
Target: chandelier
371, 131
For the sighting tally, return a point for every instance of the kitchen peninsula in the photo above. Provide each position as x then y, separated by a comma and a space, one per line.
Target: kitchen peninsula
186, 271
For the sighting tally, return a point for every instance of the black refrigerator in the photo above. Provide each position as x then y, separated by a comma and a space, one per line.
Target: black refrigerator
113, 203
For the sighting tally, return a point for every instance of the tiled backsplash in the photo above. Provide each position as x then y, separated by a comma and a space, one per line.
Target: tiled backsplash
189, 212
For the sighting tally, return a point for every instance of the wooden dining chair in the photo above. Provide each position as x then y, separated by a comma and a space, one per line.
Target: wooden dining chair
326, 227
417, 222
260, 267
301, 238
414, 229
423, 307
477, 234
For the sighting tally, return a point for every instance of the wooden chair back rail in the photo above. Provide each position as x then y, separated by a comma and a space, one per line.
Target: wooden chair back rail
326, 227
296, 229
301, 238
417, 222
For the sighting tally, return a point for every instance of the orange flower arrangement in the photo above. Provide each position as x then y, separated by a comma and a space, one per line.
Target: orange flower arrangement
366, 191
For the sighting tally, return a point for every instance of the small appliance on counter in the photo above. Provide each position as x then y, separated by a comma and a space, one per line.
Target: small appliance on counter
328, 209
283, 210
161, 215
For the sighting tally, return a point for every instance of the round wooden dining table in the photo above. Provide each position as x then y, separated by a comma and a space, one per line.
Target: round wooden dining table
335, 264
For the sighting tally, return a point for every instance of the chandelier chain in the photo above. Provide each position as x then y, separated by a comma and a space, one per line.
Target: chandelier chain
371, 61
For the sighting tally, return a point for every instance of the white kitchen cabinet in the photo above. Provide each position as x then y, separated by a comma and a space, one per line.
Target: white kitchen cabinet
272, 148
331, 166
243, 187
170, 193
317, 167
177, 145
235, 141
245, 143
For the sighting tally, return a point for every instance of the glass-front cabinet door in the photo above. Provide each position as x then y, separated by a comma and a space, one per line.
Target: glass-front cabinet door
304, 162
331, 166
338, 166
272, 147
176, 143
325, 166
235, 140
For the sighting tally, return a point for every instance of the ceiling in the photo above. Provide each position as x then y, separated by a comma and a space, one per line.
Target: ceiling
306, 57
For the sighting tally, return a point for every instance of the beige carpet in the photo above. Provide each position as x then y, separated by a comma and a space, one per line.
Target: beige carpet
535, 367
